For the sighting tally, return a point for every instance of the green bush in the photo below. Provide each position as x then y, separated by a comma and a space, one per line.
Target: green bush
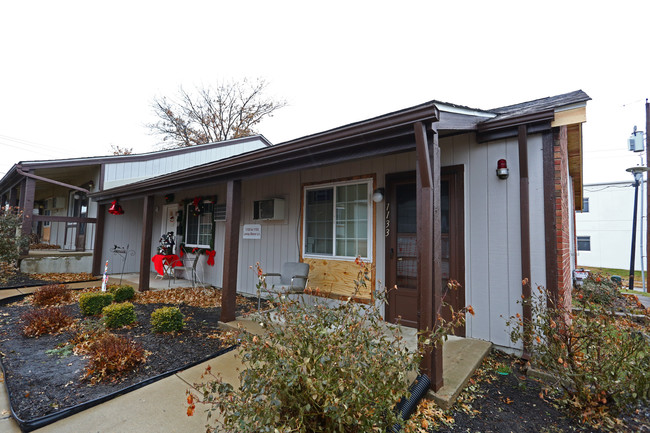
118, 315
601, 360
91, 304
319, 368
122, 293
167, 319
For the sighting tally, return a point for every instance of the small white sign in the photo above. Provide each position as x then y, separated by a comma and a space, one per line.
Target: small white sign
252, 231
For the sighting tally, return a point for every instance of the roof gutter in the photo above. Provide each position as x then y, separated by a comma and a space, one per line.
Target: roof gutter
526, 119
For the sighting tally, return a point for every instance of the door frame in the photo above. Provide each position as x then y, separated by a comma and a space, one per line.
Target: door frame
391, 241
455, 176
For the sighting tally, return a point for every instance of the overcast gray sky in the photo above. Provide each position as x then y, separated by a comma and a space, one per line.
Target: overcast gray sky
77, 77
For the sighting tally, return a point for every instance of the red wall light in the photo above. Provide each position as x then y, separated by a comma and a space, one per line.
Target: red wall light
502, 169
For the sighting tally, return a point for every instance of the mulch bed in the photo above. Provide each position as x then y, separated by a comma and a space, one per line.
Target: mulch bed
40, 384
496, 403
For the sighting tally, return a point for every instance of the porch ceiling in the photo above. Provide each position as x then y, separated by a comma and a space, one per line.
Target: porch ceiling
574, 147
387, 134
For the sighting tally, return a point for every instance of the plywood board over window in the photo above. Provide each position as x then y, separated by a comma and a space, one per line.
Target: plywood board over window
337, 226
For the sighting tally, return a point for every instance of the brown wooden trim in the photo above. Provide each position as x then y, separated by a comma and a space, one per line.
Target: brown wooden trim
424, 164
524, 215
27, 199
518, 121
456, 175
231, 251
98, 245
429, 280
550, 240
145, 252
64, 219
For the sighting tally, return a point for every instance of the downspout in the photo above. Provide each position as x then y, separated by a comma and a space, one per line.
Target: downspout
524, 215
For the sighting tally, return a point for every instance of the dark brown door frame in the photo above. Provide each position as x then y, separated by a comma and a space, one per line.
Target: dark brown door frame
392, 180
455, 177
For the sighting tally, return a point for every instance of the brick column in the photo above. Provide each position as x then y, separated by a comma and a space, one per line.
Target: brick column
562, 216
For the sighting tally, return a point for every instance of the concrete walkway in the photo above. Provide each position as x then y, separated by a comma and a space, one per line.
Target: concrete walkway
161, 406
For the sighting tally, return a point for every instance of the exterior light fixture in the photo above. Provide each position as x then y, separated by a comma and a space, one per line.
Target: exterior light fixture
378, 195
502, 169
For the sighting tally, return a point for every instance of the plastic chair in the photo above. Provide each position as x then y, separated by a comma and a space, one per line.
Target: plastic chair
293, 279
188, 265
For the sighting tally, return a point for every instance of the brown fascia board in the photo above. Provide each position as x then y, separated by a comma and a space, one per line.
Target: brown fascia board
493, 125
355, 135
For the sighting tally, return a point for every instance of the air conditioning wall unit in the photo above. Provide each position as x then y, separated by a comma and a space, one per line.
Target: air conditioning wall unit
269, 210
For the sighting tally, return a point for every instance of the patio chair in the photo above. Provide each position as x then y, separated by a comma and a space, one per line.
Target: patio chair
188, 265
293, 279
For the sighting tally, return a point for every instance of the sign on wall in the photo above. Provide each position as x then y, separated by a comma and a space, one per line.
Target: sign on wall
252, 231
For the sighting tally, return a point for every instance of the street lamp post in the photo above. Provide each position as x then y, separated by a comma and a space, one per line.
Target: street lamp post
638, 177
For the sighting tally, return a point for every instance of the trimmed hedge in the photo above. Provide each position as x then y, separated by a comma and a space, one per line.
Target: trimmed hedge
118, 315
122, 293
167, 319
91, 304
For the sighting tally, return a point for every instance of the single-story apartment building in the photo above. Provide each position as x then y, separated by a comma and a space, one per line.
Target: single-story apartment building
425, 195
53, 195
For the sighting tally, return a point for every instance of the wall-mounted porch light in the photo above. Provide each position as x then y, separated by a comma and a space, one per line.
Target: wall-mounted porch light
378, 195
502, 169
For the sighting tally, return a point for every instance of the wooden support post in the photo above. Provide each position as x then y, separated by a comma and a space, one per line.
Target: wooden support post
231, 251
99, 240
27, 206
429, 244
524, 218
145, 251
13, 197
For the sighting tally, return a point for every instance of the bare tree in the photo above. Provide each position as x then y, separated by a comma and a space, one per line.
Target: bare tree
117, 150
208, 115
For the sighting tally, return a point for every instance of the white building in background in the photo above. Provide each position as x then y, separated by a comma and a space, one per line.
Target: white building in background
604, 227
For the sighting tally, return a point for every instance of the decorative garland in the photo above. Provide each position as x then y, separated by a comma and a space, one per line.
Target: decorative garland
195, 250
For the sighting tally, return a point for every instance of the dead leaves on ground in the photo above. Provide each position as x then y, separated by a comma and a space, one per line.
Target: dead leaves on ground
65, 278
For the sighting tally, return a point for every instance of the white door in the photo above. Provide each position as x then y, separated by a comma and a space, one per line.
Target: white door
170, 214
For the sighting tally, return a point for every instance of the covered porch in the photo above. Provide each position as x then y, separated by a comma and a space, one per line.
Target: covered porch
406, 133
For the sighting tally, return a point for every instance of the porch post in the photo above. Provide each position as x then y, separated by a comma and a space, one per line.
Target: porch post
27, 206
99, 240
231, 251
524, 216
429, 280
13, 197
145, 251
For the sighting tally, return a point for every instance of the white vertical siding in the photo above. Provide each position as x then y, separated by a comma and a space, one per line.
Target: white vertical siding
121, 173
122, 230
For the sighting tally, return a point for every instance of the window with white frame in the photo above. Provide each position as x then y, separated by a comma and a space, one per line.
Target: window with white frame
338, 220
198, 229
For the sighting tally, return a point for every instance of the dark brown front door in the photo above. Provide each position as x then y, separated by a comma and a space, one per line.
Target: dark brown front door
401, 244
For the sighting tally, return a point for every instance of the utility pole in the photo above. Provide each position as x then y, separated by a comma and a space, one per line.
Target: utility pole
637, 172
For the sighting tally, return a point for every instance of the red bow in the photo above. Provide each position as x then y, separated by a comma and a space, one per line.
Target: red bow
181, 252
211, 255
